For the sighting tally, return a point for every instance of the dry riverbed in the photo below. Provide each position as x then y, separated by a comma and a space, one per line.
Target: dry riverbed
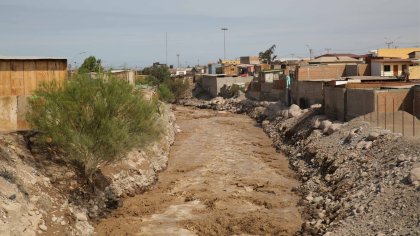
223, 178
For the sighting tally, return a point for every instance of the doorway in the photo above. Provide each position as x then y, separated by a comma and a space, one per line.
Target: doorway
395, 69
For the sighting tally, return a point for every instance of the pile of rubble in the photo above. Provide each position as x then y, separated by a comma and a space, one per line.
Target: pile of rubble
356, 179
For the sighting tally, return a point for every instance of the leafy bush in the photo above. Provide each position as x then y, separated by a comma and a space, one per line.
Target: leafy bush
165, 94
94, 121
178, 86
161, 73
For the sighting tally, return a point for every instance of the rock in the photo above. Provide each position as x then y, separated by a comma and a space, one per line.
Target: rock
43, 227
294, 111
54, 219
63, 222
314, 106
401, 158
81, 216
364, 145
333, 128
309, 198
372, 136
69, 174
414, 176
325, 124
316, 121
12, 197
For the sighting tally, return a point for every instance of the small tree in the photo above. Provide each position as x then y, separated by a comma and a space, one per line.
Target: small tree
267, 56
94, 121
179, 87
91, 64
161, 73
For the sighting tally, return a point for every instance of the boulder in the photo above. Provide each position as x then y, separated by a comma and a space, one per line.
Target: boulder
372, 136
414, 176
294, 111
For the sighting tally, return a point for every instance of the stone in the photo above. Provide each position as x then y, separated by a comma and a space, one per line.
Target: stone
81, 216
401, 158
316, 121
364, 145
325, 125
63, 222
333, 128
54, 219
43, 227
69, 174
309, 198
372, 136
414, 176
294, 111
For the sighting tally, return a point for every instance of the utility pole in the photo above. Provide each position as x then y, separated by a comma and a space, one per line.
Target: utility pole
178, 59
328, 50
224, 41
310, 51
166, 52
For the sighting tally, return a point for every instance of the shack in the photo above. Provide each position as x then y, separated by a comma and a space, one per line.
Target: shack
19, 77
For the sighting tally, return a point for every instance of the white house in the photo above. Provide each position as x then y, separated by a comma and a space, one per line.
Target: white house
389, 67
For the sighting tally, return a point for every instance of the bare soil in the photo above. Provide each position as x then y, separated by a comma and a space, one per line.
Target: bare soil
223, 178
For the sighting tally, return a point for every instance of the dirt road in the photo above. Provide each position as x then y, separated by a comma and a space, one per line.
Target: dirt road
223, 178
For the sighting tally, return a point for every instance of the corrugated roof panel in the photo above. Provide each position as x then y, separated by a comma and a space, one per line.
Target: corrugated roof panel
30, 58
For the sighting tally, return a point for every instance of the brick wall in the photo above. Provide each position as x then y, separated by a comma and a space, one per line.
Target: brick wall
320, 72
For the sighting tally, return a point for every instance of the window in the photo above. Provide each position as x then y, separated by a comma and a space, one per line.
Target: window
387, 68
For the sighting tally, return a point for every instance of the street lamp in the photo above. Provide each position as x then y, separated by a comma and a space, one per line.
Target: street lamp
224, 41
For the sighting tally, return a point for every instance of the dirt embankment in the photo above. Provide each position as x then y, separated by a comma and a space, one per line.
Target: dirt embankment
355, 179
223, 178
41, 193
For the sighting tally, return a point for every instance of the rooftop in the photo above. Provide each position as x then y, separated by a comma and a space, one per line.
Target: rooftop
30, 58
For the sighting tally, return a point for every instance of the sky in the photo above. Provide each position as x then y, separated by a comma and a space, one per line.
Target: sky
132, 33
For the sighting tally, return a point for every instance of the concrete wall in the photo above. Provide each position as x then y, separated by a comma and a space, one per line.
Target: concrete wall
307, 93
414, 72
393, 109
377, 68
213, 84
335, 103
396, 52
320, 72
360, 102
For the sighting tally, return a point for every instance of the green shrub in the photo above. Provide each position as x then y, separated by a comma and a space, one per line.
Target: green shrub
178, 86
94, 121
165, 93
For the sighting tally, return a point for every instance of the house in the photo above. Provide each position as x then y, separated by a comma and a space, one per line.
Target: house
253, 60
329, 60
389, 66
269, 85
19, 77
414, 54
212, 67
126, 75
230, 62
401, 53
215, 84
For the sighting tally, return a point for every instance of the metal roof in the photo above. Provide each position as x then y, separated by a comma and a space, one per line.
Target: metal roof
30, 58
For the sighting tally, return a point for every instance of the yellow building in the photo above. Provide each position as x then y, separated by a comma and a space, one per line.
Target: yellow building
230, 62
396, 52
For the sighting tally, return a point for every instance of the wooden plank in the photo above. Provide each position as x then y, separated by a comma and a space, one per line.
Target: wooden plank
29, 76
41, 72
17, 82
62, 67
5, 88
52, 68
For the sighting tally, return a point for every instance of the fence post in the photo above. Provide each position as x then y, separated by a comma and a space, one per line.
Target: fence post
377, 110
402, 116
393, 115
385, 110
